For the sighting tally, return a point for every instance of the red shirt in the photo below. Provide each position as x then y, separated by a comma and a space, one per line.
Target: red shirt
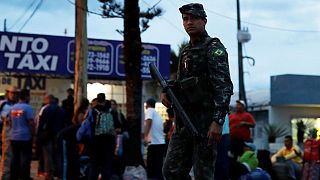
240, 132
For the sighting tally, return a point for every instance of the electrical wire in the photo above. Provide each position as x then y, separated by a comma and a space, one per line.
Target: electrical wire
165, 19
172, 24
34, 11
22, 15
87, 10
155, 5
173, 3
261, 26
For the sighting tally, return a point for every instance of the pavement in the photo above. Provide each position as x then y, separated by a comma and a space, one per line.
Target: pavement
34, 171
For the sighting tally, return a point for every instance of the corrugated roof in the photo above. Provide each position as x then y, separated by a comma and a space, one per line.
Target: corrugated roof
255, 98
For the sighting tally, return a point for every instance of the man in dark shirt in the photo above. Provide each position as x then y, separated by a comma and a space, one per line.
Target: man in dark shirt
68, 106
51, 122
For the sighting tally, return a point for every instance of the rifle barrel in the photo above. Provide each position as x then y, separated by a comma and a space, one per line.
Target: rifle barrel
184, 117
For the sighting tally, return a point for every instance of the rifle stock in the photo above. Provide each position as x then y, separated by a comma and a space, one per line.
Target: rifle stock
184, 117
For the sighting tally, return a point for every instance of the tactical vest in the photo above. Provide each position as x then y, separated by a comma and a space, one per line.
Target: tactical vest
193, 64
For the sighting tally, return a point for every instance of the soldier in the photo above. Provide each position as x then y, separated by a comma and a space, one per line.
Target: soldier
204, 89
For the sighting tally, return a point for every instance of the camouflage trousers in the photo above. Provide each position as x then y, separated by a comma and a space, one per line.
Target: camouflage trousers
6, 152
185, 152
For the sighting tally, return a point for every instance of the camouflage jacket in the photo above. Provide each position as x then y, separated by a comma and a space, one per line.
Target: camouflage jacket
207, 61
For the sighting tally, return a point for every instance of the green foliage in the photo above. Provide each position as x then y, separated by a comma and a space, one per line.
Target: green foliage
174, 58
274, 131
174, 61
313, 133
182, 46
301, 128
115, 9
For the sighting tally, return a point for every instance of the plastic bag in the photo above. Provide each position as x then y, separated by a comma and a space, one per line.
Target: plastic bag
134, 173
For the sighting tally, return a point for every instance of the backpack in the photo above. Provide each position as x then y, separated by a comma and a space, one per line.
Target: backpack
104, 123
84, 133
96, 123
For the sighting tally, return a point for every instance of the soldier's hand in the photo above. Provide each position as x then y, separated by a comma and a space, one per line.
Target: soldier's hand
214, 133
164, 100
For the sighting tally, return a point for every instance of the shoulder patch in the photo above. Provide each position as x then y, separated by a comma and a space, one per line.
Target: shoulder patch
218, 52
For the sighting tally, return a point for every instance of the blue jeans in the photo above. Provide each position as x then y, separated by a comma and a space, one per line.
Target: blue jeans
294, 169
47, 152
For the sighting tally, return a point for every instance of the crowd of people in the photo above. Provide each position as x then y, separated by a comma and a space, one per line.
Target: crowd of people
51, 132
60, 153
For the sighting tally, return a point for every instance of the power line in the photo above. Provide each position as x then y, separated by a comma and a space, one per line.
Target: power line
261, 26
22, 15
264, 26
86, 9
155, 4
165, 19
34, 11
172, 2
172, 24
150, 8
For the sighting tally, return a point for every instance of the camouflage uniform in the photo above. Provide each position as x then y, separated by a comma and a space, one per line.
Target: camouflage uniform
205, 101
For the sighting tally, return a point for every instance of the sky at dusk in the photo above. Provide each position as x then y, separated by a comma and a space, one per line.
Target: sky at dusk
285, 34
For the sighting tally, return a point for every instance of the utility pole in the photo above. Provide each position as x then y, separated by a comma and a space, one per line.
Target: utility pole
242, 92
81, 51
5, 25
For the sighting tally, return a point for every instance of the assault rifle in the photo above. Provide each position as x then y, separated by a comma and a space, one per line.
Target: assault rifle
184, 117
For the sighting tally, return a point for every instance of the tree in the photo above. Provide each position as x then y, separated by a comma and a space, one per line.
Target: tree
174, 60
114, 9
132, 56
274, 131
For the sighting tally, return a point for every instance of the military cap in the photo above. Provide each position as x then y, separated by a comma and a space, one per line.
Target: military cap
195, 9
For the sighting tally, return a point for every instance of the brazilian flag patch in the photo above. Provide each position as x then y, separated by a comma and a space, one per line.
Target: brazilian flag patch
218, 52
